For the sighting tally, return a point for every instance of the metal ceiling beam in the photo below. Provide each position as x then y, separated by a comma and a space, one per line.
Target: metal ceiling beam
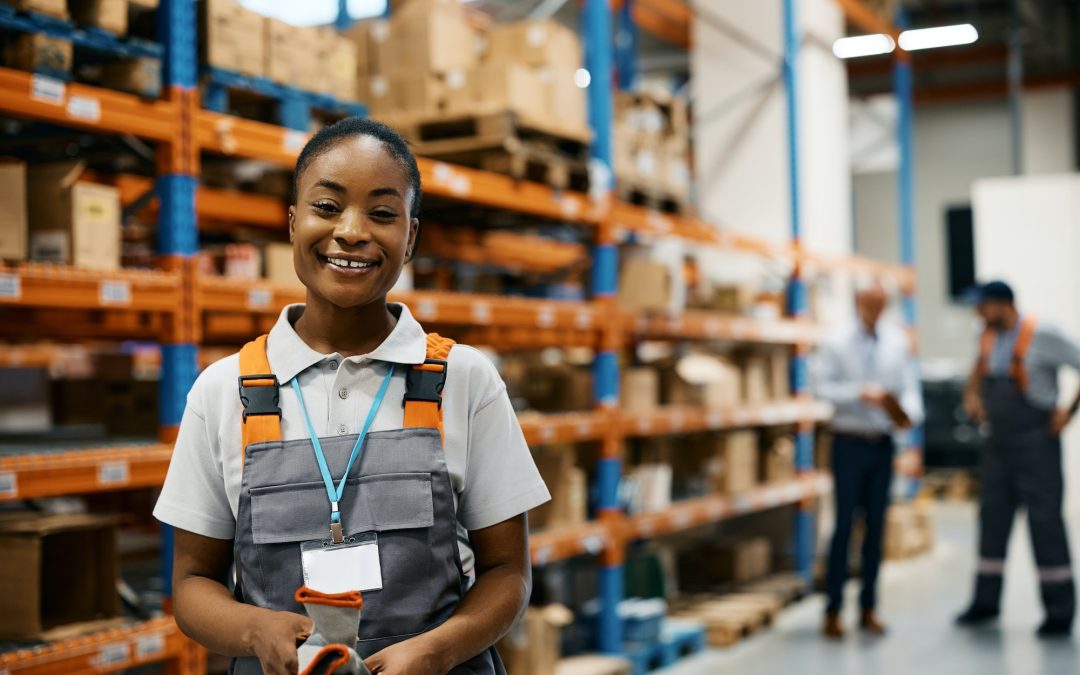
862, 15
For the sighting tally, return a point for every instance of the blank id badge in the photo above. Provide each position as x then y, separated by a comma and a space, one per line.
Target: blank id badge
352, 565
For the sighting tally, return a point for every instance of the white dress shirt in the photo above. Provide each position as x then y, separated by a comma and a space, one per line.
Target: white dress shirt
850, 359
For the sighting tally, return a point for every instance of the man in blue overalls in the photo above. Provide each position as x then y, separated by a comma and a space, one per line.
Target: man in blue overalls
1013, 388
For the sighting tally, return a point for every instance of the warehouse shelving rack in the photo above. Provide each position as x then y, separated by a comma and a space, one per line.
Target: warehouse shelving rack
178, 308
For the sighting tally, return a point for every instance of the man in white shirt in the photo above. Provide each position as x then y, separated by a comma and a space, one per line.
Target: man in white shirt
868, 373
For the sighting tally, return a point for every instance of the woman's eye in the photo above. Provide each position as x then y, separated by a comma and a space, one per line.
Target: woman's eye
325, 207
383, 214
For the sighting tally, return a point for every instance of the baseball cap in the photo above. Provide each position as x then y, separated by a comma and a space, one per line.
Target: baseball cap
990, 291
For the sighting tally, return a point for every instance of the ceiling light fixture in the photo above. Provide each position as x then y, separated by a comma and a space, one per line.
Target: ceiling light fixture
863, 45
942, 36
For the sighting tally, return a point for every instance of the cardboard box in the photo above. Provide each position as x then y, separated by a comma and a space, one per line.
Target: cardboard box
292, 55
779, 374
593, 665
568, 103
778, 460
756, 380
640, 389
108, 15
558, 388
908, 530
567, 484
649, 487
537, 43
532, 647
13, 218
431, 36
72, 223
41, 586
736, 470
56, 8
504, 86
39, 53
278, 265
644, 285
744, 560
724, 388
337, 65
372, 40
416, 93
139, 76
233, 37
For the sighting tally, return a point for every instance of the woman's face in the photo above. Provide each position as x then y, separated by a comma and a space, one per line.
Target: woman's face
350, 226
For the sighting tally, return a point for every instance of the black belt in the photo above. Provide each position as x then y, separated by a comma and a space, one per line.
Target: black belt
865, 436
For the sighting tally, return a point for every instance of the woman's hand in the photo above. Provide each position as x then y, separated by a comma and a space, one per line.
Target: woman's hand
415, 656
973, 404
276, 639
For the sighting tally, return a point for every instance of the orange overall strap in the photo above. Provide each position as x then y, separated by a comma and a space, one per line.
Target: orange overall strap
986, 345
259, 395
424, 384
1018, 368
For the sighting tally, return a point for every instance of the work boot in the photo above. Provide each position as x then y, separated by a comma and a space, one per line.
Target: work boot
869, 623
976, 616
832, 628
1055, 628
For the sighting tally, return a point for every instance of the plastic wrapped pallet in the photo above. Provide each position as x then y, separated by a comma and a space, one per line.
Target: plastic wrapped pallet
232, 37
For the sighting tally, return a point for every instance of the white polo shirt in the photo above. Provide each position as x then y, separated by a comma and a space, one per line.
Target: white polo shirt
491, 468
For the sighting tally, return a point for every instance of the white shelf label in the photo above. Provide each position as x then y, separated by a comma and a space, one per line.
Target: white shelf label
10, 286
9, 484
584, 430
543, 556
47, 89
114, 473
294, 141
593, 544
111, 655
583, 319
149, 646
115, 293
545, 317
715, 420
547, 434
85, 108
427, 309
682, 519
259, 298
481, 312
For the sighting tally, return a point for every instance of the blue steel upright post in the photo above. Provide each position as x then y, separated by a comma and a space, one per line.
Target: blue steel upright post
804, 532
626, 39
905, 104
596, 31
177, 234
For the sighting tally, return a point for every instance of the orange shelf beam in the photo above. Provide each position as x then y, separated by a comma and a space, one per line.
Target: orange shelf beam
59, 286
684, 420
691, 513
868, 19
548, 546
154, 641
577, 427
703, 325
78, 105
216, 204
50, 474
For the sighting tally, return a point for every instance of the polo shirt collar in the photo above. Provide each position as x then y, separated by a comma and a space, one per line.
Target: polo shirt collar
289, 355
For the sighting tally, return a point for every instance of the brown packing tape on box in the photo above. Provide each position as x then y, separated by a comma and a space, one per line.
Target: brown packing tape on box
40, 588
14, 225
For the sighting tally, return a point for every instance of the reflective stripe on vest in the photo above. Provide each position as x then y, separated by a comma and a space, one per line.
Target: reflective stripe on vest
264, 424
1017, 367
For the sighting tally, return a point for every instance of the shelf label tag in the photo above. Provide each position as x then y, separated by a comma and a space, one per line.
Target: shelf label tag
583, 319
9, 484
545, 317
259, 298
294, 141
682, 520
111, 655
593, 544
481, 312
114, 473
115, 293
47, 89
542, 557
148, 646
427, 309
10, 286
84, 108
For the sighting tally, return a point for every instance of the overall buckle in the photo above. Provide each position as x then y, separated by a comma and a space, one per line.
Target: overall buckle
425, 385
259, 399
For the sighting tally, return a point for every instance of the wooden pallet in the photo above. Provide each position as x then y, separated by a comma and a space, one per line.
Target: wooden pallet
786, 588
730, 618
503, 142
259, 98
651, 196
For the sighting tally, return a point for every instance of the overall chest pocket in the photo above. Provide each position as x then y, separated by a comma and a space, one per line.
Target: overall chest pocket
398, 506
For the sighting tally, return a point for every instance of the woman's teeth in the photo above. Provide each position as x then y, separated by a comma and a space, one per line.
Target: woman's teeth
341, 262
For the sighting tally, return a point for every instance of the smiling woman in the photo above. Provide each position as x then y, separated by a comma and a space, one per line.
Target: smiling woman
419, 506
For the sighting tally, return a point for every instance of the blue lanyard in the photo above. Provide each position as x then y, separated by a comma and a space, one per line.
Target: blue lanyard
334, 493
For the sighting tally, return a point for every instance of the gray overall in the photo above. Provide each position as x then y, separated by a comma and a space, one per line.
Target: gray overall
400, 489
1022, 466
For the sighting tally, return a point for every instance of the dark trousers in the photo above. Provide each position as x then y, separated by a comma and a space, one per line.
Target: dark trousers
862, 475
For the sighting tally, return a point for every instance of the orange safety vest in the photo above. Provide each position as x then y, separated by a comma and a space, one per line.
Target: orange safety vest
1017, 369
259, 391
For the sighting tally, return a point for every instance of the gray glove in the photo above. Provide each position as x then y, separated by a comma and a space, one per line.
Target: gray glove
331, 649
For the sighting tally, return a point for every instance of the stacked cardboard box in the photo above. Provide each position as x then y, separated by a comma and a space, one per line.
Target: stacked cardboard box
72, 222
567, 484
336, 65
291, 55
56, 8
640, 390
644, 285
713, 564
533, 645
652, 142
278, 264
233, 37
39, 53
108, 15
778, 460
13, 218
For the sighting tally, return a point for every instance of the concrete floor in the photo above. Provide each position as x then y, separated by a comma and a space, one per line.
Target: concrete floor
919, 600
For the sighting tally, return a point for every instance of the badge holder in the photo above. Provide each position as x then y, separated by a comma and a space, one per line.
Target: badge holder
350, 565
